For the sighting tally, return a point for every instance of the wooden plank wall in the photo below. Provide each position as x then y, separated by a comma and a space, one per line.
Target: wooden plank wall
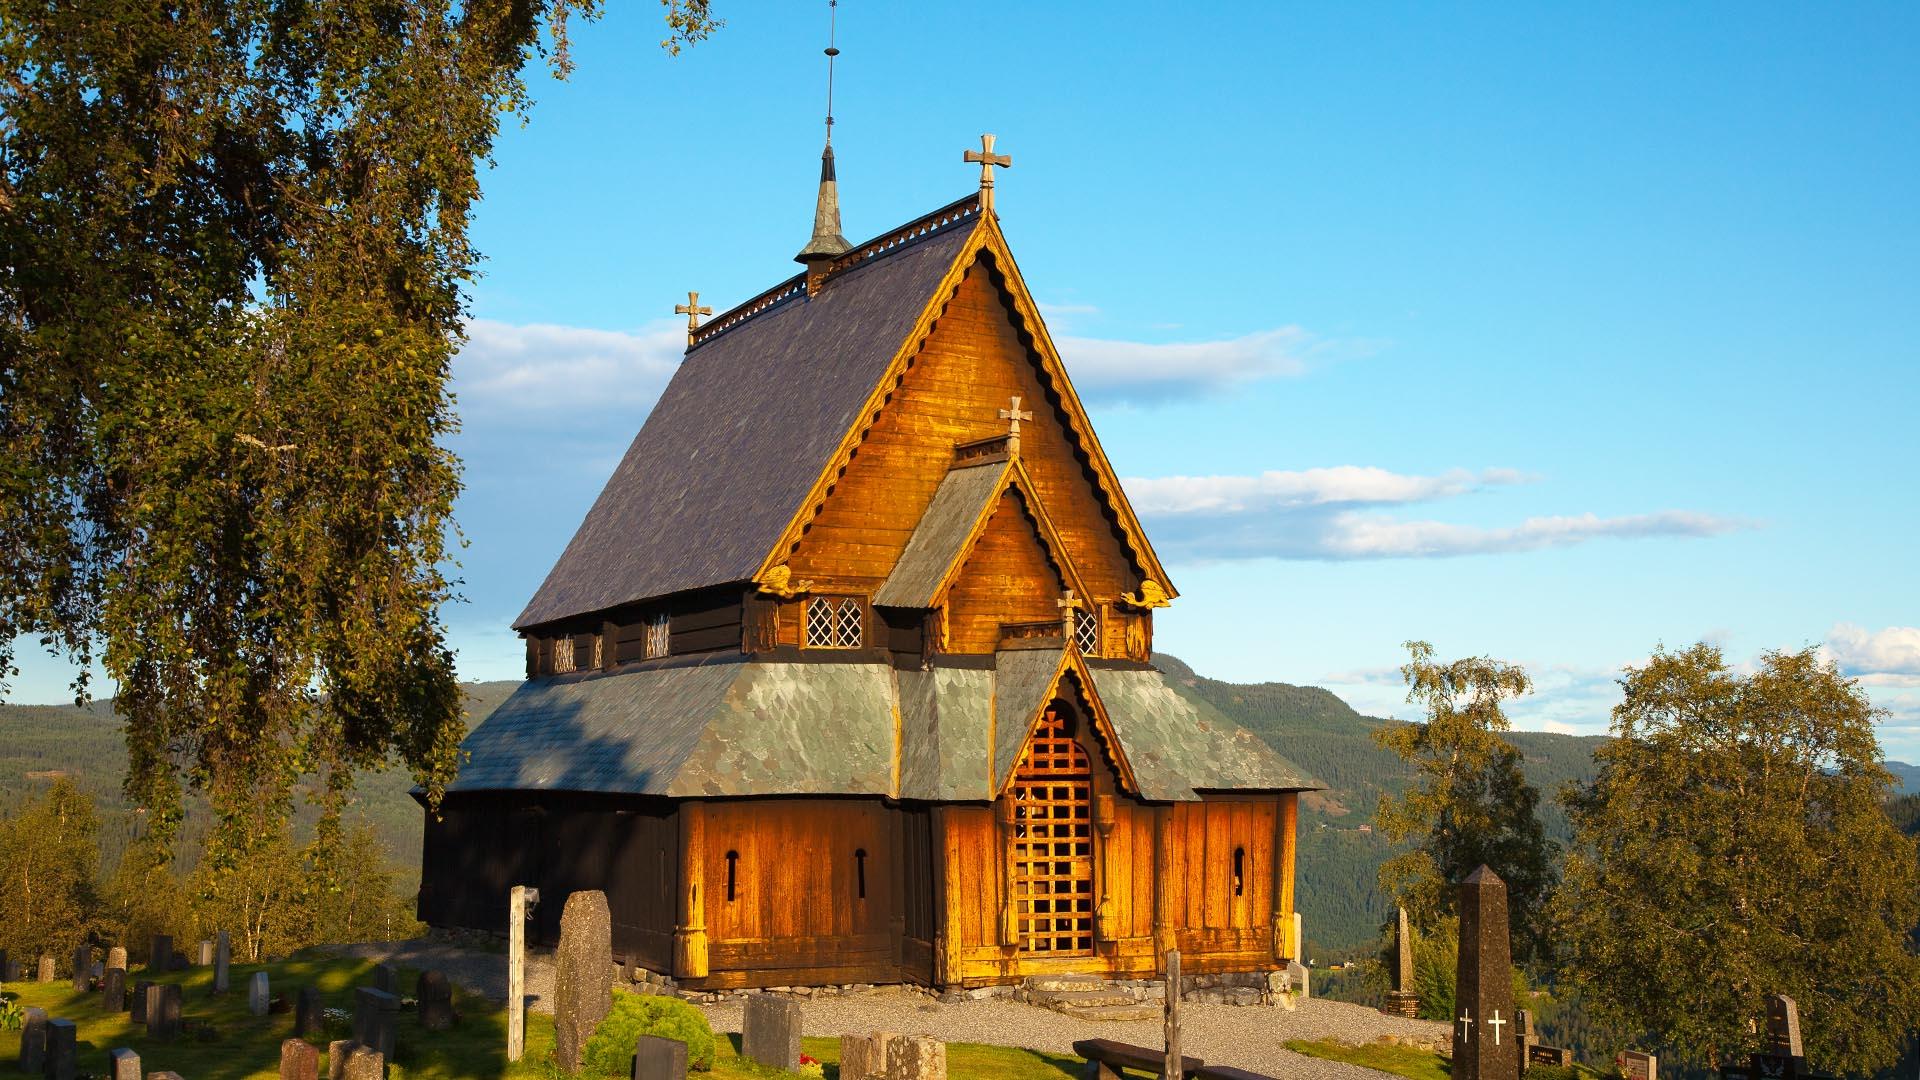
1007, 579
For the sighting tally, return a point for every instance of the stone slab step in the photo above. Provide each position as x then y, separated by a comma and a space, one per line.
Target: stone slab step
1110, 1012
1083, 998
1058, 984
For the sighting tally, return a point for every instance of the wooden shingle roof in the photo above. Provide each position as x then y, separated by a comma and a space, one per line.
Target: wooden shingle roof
736, 441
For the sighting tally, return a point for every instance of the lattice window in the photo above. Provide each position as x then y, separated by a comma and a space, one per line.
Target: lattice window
563, 654
1053, 842
659, 639
1086, 631
834, 622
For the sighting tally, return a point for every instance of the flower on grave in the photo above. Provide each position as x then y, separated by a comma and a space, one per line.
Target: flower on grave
811, 1066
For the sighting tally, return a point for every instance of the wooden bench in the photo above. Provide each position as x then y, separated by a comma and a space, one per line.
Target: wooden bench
1106, 1058
1228, 1072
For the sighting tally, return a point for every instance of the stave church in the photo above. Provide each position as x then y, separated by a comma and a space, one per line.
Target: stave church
846, 677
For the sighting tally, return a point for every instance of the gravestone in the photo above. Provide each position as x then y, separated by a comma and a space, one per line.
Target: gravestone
770, 1031
83, 968
63, 1050
123, 1064
222, 961
163, 1011
364, 1063
1783, 1026
117, 958
259, 997
1635, 1065
1403, 999
1557, 1056
160, 952
6, 968
204, 955
655, 1058
1523, 1035
307, 1016
113, 990
46, 969
33, 1040
338, 1051
386, 978
137, 1003
434, 992
864, 1057
916, 1057
376, 1019
165, 1074
299, 1060
1483, 1047
583, 976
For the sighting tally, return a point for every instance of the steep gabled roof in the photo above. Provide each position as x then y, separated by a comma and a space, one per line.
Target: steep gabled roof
963, 503
736, 441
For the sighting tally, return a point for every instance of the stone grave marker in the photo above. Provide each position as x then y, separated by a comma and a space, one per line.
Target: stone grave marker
307, 1015
386, 977
376, 1020
160, 952
137, 1002
1783, 1026
338, 1051
1557, 1056
583, 976
864, 1057
46, 969
655, 1058
364, 1063
33, 1040
123, 1064
63, 1050
1638, 1066
299, 1060
521, 901
203, 955
163, 1010
1483, 1046
6, 968
83, 968
434, 993
1403, 999
916, 1057
770, 1031
117, 958
165, 1074
259, 996
113, 990
222, 961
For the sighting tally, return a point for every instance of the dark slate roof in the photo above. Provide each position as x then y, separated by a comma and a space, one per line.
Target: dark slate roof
740, 435
720, 728
962, 499
1180, 746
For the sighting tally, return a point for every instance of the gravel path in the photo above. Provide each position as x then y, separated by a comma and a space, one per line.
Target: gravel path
1249, 1037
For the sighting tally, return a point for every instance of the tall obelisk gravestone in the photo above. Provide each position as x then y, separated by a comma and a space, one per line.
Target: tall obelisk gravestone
1484, 1045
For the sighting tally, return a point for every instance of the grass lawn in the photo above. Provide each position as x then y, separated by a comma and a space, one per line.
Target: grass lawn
1407, 1061
244, 1047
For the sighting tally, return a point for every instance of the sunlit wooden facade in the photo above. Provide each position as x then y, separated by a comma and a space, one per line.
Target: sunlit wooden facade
846, 676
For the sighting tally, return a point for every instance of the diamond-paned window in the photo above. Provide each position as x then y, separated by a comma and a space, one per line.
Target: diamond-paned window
1086, 631
563, 654
834, 622
659, 639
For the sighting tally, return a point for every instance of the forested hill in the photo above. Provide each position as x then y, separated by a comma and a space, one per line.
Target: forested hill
1316, 730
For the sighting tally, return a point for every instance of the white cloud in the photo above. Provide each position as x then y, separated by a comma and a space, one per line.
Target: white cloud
1144, 372
541, 367
1894, 651
1331, 513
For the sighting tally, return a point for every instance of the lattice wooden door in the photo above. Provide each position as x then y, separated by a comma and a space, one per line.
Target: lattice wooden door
1052, 843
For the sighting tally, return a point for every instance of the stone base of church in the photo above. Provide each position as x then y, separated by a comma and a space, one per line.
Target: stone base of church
1401, 1003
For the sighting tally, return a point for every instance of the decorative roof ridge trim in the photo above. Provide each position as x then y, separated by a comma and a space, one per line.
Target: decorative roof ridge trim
939, 221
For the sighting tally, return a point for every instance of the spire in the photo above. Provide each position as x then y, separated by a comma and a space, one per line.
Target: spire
827, 241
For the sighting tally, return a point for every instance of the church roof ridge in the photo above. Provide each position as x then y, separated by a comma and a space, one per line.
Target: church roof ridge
953, 215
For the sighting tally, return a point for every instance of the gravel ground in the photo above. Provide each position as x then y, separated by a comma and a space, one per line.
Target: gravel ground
1249, 1037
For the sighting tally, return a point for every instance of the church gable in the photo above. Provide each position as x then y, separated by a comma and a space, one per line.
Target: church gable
1008, 579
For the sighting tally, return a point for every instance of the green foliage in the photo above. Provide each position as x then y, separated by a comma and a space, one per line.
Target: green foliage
1408, 1061
237, 248
1736, 844
49, 859
12, 1013
1436, 962
1471, 804
610, 1051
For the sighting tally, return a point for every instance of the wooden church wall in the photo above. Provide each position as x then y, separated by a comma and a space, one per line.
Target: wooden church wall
1007, 579
969, 367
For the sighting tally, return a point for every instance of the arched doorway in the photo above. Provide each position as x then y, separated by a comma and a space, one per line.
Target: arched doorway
1050, 847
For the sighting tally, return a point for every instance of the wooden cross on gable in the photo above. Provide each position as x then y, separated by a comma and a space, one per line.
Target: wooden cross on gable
987, 159
1013, 416
692, 309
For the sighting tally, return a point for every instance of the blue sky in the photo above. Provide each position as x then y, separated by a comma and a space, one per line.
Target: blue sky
1551, 333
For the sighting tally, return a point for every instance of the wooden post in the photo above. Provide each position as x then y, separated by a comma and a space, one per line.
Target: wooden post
1163, 883
1285, 824
1009, 919
690, 935
1171, 1069
520, 903
1104, 929
946, 898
